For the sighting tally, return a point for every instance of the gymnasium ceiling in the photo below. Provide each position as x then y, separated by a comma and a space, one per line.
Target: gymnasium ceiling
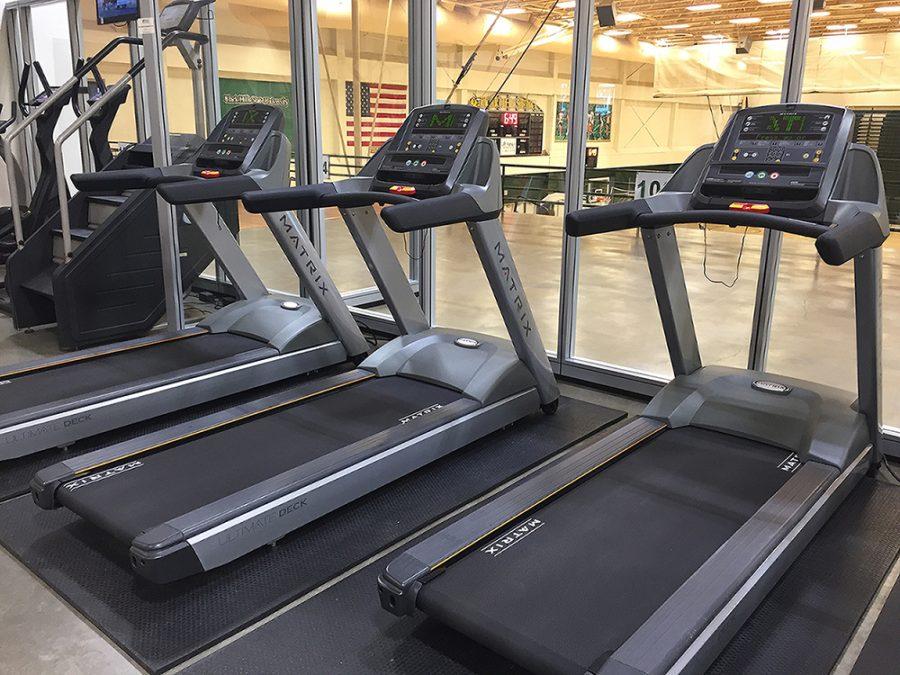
671, 22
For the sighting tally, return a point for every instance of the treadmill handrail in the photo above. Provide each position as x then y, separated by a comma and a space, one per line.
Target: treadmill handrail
99, 182
316, 196
195, 190
459, 207
836, 244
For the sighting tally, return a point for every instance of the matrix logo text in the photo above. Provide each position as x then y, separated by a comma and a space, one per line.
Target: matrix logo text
420, 413
513, 537
71, 486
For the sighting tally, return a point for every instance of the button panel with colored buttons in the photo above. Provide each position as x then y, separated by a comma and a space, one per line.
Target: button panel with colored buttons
779, 154
236, 140
428, 147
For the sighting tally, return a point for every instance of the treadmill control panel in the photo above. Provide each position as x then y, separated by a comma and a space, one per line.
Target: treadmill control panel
786, 156
237, 139
425, 156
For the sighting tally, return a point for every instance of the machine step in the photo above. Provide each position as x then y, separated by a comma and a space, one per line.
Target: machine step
79, 234
41, 283
101, 207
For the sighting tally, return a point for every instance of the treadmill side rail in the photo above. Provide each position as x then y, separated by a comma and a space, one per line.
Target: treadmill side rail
398, 584
667, 633
66, 425
225, 530
721, 628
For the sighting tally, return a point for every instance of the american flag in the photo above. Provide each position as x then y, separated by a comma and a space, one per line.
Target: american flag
391, 112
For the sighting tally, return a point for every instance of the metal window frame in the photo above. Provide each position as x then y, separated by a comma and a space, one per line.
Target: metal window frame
616, 376
157, 122
422, 58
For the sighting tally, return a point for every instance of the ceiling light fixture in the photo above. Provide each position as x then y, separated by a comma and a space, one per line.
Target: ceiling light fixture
820, 14
617, 32
704, 8
778, 31
745, 20
889, 9
713, 36
628, 17
676, 26
841, 26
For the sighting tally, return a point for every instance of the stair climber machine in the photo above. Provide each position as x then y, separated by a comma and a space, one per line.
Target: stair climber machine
43, 112
272, 466
260, 339
103, 116
94, 268
645, 551
45, 199
8, 246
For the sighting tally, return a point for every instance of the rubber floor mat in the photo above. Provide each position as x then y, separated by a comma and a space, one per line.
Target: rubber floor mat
161, 626
801, 627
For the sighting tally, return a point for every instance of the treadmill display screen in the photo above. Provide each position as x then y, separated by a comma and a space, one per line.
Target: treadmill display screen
248, 118
446, 121
786, 127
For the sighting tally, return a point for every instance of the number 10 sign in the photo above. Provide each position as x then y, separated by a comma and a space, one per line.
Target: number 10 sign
648, 183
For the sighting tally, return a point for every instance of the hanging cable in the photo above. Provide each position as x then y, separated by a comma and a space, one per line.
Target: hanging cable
737, 268
471, 60
384, 43
524, 52
337, 118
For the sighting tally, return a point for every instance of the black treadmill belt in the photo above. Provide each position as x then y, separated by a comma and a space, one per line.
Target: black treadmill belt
84, 378
601, 558
194, 473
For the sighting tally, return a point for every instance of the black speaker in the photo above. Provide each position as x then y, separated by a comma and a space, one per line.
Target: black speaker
818, 5
743, 45
606, 13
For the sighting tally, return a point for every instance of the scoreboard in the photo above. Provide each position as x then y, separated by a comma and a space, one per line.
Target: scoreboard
517, 133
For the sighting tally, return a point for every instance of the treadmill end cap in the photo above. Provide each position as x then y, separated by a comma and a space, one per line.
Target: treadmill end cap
396, 599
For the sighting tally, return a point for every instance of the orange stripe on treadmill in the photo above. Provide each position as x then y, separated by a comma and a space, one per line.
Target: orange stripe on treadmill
87, 357
219, 425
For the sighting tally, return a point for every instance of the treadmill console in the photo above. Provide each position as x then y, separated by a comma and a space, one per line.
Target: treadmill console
786, 156
426, 155
237, 140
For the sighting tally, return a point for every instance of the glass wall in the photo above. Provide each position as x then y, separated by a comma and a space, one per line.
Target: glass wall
851, 61
373, 67
521, 74
663, 82
114, 66
52, 48
253, 55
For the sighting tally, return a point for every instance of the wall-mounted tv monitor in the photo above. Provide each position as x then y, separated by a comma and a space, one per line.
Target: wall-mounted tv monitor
117, 11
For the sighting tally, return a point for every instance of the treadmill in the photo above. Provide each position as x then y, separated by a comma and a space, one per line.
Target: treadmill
261, 338
645, 551
201, 494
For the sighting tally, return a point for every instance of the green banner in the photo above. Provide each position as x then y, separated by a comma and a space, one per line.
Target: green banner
242, 92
